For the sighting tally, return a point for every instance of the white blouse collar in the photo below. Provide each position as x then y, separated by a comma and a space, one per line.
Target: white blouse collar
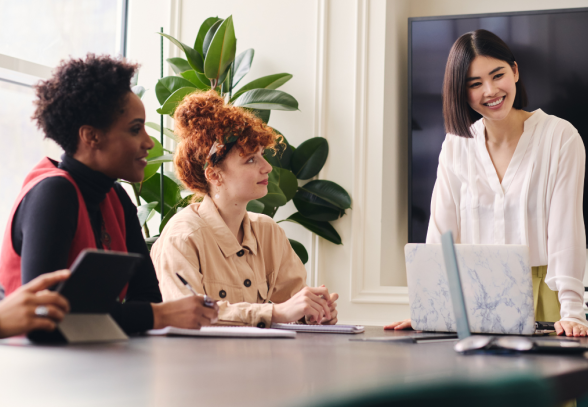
513, 167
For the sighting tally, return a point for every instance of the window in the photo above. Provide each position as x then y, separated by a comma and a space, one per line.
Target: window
36, 35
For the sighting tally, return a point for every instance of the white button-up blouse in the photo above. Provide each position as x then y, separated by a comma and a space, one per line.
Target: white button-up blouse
538, 204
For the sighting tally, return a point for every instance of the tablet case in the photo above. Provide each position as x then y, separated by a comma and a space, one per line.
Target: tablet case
97, 278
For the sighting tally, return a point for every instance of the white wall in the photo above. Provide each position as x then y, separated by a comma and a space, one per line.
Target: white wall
349, 61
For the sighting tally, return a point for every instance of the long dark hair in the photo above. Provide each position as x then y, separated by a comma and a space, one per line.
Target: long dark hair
458, 114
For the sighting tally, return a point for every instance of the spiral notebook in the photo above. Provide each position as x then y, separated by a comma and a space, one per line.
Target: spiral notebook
223, 332
326, 329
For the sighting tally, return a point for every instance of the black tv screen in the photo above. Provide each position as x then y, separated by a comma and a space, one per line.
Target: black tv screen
551, 48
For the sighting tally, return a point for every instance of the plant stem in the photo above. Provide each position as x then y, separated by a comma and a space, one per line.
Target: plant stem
138, 198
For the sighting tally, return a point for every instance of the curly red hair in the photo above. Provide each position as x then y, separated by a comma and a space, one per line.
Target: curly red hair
204, 118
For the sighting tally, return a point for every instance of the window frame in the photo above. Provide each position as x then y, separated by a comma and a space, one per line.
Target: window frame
26, 73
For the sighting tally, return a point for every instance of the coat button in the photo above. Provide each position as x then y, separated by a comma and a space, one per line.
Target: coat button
247, 283
222, 293
261, 325
240, 253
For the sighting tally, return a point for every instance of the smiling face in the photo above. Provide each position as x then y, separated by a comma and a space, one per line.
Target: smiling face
123, 148
491, 87
243, 178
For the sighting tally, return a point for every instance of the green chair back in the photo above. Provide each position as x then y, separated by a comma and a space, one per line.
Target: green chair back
508, 391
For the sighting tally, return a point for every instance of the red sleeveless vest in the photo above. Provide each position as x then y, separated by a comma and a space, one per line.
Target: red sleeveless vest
112, 214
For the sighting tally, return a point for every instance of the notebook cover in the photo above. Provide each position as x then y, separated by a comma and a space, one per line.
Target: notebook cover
329, 329
225, 332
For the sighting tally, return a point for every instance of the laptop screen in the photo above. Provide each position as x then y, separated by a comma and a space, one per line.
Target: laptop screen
457, 299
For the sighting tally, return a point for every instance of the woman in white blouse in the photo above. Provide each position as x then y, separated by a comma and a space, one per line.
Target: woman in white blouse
511, 177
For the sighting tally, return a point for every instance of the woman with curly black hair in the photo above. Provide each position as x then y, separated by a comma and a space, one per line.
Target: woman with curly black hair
88, 108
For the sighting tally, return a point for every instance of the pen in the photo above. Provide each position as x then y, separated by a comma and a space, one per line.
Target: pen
208, 302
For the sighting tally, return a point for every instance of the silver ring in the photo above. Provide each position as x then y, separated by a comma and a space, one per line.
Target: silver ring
42, 311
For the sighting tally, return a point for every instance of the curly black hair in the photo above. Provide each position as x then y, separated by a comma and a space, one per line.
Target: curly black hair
82, 92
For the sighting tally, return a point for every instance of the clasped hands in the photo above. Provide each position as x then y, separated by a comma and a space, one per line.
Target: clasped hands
314, 304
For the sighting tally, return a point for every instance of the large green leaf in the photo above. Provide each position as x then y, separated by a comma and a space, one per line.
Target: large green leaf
300, 250
221, 52
193, 57
156, 151
267, 99
203, 79
255, 206
169, 107
166, 158
144, 211
329, 191
223, 77
150, 192
270, 211
243, 63
310, 157
209, 22
209, 36
275, 196
194, 78
226, 83
315, 208
265, 82
264, 115
179, 65
323, 229
168, 85
285, 180
283, 153
182, 203
168, 132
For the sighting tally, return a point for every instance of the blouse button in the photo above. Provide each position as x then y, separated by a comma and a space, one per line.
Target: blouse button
247, 283
240, 252
222, 293
261, 325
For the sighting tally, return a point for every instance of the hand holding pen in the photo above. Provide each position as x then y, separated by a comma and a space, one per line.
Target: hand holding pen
208, 302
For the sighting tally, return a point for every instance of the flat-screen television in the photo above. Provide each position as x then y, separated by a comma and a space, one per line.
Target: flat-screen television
551, 48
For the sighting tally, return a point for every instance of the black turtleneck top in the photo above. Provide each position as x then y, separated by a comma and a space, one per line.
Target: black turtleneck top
45, 223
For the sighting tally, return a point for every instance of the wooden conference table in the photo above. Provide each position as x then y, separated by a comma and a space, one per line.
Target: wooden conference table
159, 371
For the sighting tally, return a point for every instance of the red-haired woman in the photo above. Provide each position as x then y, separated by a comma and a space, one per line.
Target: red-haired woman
240, 258
88, 108
508, 176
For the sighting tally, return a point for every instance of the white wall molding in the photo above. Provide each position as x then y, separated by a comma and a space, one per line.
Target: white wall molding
359, 138
365, 286
319, 114
175, 30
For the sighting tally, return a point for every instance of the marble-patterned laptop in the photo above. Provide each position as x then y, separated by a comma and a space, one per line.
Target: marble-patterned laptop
496, 282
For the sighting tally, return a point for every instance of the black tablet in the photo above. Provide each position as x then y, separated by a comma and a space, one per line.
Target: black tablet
97, 279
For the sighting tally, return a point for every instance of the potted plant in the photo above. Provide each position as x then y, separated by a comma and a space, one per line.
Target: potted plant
212, 63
